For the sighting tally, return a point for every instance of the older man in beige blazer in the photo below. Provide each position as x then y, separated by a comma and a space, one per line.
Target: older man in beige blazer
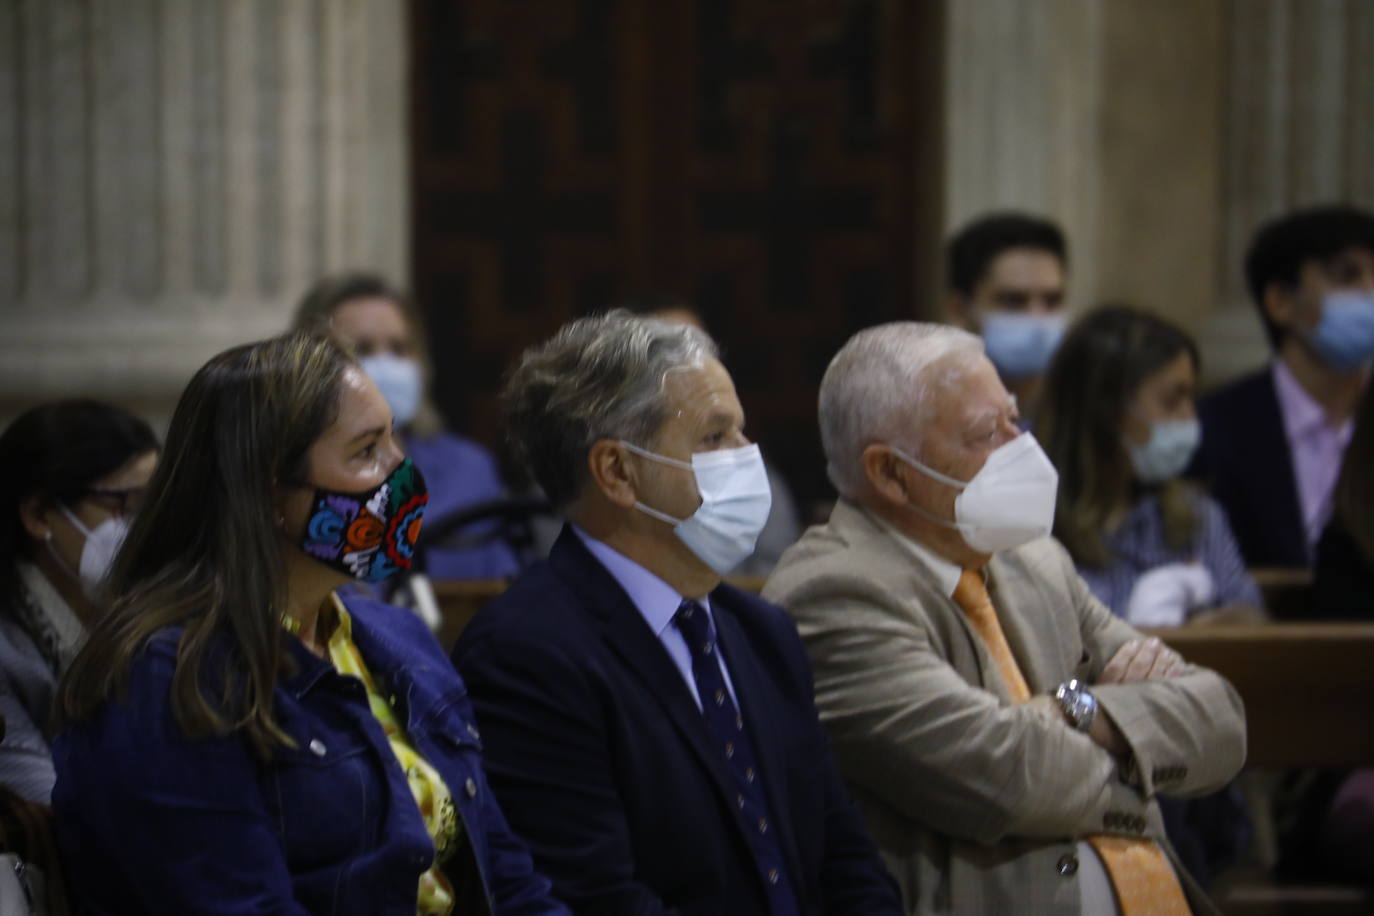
1004, 734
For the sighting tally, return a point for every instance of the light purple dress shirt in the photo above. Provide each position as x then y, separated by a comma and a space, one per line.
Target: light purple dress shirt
657, 602
1316, 447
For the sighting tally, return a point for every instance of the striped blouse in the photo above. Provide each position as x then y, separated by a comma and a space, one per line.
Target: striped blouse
1138, 546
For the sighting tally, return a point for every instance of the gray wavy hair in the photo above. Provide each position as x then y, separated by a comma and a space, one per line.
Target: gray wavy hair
879, 388
600, 377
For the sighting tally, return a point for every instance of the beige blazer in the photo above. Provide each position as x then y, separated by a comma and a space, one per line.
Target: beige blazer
973, 800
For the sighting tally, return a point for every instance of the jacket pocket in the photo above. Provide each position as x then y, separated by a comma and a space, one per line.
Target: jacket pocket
326, 795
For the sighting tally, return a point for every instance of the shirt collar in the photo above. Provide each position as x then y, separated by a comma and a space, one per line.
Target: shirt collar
947, 574
656, 600
1301, 413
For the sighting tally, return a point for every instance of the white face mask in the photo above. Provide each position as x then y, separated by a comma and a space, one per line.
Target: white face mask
1009, 502
98, 553
1171, 446
735, 499
399, 381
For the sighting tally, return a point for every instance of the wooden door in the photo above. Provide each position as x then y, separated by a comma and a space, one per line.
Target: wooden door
772, 160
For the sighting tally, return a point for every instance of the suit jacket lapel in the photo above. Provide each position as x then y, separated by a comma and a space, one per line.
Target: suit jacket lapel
1287, 505
880, 541
1027, 629
751, 687
639, 649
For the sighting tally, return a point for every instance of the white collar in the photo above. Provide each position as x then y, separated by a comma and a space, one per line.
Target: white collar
656, 600
947, 574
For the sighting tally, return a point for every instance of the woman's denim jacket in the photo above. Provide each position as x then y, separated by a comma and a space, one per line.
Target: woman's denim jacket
150, 821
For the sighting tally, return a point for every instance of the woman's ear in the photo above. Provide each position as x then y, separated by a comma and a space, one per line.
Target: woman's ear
884, 471
290, 505
611, 473
33, 514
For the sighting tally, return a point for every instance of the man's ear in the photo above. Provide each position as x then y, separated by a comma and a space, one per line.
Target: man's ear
33, 512
1279, 304
885, 473
959, 310
611, 473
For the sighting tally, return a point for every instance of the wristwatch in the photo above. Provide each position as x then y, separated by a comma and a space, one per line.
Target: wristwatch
1078, 705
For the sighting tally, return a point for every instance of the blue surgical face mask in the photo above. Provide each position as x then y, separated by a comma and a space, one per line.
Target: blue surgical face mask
1171, 446
399, 381
1021, 345
1344, 338
735, 499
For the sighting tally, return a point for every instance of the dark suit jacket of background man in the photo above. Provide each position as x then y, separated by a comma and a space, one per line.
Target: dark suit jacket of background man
1245, 461
602, 762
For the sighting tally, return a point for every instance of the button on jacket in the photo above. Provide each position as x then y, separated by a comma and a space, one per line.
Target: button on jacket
152, 822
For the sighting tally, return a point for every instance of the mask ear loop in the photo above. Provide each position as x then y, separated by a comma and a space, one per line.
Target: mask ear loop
57, 557
929, 471
936, 475
663, 459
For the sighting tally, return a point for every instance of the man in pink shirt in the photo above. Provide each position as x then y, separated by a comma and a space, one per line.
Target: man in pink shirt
1272, 442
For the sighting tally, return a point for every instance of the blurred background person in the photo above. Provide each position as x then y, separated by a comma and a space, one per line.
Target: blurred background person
784, 523
72, 475
1272, 442
1006, 274
1119, 423
379, 322
239, 737
1343, 583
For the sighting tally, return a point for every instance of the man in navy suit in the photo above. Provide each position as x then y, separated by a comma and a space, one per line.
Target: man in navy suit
1272, 442
650, 731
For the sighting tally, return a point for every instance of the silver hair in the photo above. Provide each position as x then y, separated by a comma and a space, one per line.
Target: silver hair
879, 388
600, 377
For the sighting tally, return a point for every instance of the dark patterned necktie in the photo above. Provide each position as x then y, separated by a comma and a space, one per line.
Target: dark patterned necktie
726, 727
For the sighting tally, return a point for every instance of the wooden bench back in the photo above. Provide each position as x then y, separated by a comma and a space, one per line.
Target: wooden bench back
1307, 687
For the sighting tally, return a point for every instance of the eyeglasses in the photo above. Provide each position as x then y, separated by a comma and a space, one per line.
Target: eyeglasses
123, 503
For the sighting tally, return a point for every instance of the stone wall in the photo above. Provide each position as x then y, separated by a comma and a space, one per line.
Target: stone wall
1160, 135
173, 175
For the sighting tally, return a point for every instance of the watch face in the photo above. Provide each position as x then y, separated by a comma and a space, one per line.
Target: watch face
1079, 705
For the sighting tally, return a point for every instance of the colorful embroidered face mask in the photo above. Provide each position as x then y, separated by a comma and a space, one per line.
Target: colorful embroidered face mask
369, 535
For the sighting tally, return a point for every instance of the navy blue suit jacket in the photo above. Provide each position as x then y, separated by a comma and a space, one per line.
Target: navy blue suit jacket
1244, 460
604, 765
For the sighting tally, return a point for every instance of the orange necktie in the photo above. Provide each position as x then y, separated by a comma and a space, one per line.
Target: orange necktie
1145, 882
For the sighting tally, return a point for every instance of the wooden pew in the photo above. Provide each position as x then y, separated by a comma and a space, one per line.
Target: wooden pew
1306, 690
1306, 687
1286, 591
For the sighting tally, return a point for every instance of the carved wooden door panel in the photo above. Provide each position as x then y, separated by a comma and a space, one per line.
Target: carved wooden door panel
770, 160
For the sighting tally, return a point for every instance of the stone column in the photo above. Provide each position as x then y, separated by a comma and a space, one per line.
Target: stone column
1299, 132
1160, 135
174, 175
1100, 114
1023, 85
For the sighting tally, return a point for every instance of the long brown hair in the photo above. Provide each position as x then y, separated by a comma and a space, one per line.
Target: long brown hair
1355, 487
203, 552
1090, 384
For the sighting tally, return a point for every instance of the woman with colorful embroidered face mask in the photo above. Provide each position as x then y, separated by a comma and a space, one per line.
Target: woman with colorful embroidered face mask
238, 736
1119, 423
378, 321
72, 473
